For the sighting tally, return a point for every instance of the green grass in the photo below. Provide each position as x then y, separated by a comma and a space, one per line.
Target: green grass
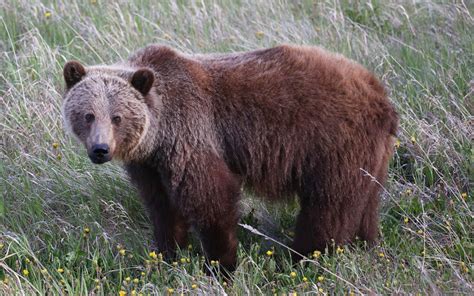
422, 50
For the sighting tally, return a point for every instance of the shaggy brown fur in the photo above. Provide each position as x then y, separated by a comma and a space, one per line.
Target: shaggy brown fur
282, 121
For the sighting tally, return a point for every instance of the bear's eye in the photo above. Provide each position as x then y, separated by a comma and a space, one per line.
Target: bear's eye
116, 119
89, 117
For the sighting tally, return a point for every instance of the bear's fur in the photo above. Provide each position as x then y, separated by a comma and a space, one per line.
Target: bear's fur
284, 121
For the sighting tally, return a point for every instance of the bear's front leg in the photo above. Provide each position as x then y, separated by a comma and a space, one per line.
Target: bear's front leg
209, 197
170, 228
220, 244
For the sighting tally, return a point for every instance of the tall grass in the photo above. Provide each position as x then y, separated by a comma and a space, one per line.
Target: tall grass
68, 226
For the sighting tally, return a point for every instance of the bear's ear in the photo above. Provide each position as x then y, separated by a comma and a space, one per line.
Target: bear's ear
142, 80
73, 73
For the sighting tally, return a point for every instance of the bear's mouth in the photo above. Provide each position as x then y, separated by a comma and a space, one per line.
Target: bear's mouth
100, 158
100, 153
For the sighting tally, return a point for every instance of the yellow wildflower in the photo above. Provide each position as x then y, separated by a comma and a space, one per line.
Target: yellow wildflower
1, 246
27, 260
292, 274
127, 279
170, 290
122, 252
464, 195
60, 270
405, 220
259, 34
381, 255
122, 293
339, 250
397, 143
143, 273
133, 292
214, 263
87, 230
194, 286
25, 272
305, 279
320, 278
316, 254
420, 231
136, 281
47, 14
175, 263
153, 255
269, 253
320, 290
183, 260
190, 247
55, 145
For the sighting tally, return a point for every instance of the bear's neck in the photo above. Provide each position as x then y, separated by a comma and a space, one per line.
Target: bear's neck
172, 105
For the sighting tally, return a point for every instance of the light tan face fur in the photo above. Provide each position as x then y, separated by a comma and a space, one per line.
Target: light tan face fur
103, 108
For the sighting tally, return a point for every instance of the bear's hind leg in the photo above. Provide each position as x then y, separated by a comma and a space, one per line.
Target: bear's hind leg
369, 226
321, 224
312, 232
369, 229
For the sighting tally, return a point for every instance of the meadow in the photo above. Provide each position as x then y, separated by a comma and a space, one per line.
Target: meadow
70, 227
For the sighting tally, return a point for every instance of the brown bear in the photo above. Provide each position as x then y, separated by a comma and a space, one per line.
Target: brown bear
193, 130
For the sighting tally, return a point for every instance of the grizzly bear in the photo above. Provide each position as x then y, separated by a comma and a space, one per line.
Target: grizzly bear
193, 130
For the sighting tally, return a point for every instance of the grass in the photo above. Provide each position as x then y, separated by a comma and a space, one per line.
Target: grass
68, 226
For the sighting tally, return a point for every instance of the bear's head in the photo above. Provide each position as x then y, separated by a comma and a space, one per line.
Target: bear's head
106, 108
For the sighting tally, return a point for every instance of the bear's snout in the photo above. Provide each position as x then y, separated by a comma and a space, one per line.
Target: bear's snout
100, 153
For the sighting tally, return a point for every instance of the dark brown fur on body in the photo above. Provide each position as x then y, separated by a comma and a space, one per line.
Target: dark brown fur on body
281, 121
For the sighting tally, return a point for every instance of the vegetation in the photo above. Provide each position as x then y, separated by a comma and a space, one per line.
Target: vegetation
68, 226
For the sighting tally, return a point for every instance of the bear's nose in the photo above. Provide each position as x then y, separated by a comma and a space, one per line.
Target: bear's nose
100, 150
100, 153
